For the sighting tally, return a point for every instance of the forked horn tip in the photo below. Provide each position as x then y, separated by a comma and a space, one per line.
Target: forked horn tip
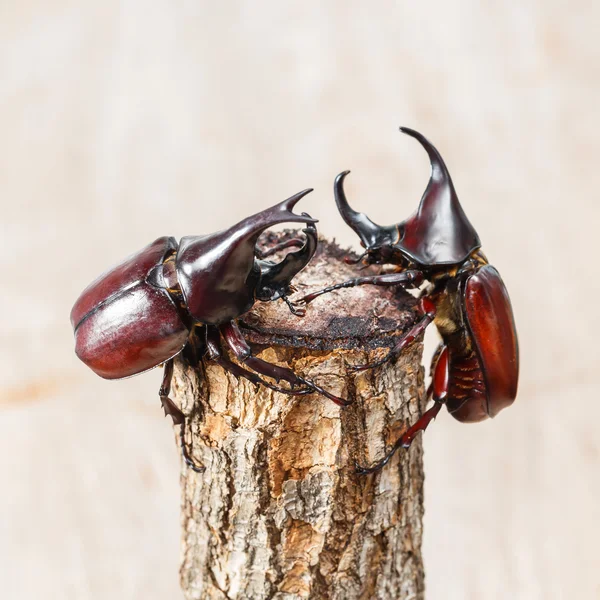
288, 205
296, 197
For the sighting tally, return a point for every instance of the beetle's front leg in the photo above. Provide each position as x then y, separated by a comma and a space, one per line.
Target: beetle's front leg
439, 391
215, 354
410, 277
296, 308
428, 310
235, 340
175, 413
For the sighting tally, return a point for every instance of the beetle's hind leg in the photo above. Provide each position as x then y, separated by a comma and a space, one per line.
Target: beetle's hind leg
439, 391
235, 340
175, 413
216, 355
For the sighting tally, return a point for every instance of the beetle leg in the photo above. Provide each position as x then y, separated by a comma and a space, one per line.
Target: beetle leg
428, 309
175, 413
405, 440
235, 340
293, 243
165, 388
411, 277
439, 391
215, 354
194, 349
295, 309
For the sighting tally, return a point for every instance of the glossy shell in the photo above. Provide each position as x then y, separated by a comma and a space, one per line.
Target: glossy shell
123, 325
217, 282
439, 233
490, 320
218, 273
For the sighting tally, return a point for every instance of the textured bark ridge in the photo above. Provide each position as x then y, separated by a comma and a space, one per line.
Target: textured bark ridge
279, 512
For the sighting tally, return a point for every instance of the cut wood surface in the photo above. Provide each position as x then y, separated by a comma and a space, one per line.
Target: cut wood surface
280, 512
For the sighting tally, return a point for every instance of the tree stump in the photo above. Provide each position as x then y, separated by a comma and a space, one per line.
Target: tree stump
279, 512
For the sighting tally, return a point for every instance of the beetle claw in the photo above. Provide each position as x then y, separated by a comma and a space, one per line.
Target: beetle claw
189, 461
373, 365
360, 470
297, 308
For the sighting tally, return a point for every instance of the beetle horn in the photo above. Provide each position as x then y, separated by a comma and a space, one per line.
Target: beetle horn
440, 181
364, 227
439, 232
248, 231
228, 259
371, 234
276, 278
282, 212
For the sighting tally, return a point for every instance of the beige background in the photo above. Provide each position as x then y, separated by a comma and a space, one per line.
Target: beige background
123, 121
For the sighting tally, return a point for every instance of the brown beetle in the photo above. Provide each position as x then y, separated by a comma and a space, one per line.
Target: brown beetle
475, 370
171, 297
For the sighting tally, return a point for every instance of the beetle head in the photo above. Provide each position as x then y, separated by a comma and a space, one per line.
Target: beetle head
439, 233
219, 273
276, 278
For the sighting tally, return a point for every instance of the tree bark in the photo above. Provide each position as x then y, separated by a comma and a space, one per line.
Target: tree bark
280, 512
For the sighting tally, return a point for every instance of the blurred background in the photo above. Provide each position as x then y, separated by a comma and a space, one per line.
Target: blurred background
124, 121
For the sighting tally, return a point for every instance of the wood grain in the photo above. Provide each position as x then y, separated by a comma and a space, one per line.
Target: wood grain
279, 512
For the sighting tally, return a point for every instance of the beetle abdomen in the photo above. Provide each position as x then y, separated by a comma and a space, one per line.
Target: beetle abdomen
123, 325
490, 319
467, 395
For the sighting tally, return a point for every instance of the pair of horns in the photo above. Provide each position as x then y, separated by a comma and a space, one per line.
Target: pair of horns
373, 235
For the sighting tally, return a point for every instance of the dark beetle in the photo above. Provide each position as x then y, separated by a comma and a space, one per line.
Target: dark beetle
475, 370
171, 296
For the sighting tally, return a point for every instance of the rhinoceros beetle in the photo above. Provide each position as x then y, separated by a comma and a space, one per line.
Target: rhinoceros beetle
475, 369
169, 297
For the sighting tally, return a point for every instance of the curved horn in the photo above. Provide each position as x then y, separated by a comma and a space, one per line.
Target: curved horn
276, 278
367, 230
285, 270
223, 265
439, 232
439, 171
371, 234
282, 213
247, 232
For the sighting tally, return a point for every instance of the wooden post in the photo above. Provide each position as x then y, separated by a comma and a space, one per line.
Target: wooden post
279, 512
